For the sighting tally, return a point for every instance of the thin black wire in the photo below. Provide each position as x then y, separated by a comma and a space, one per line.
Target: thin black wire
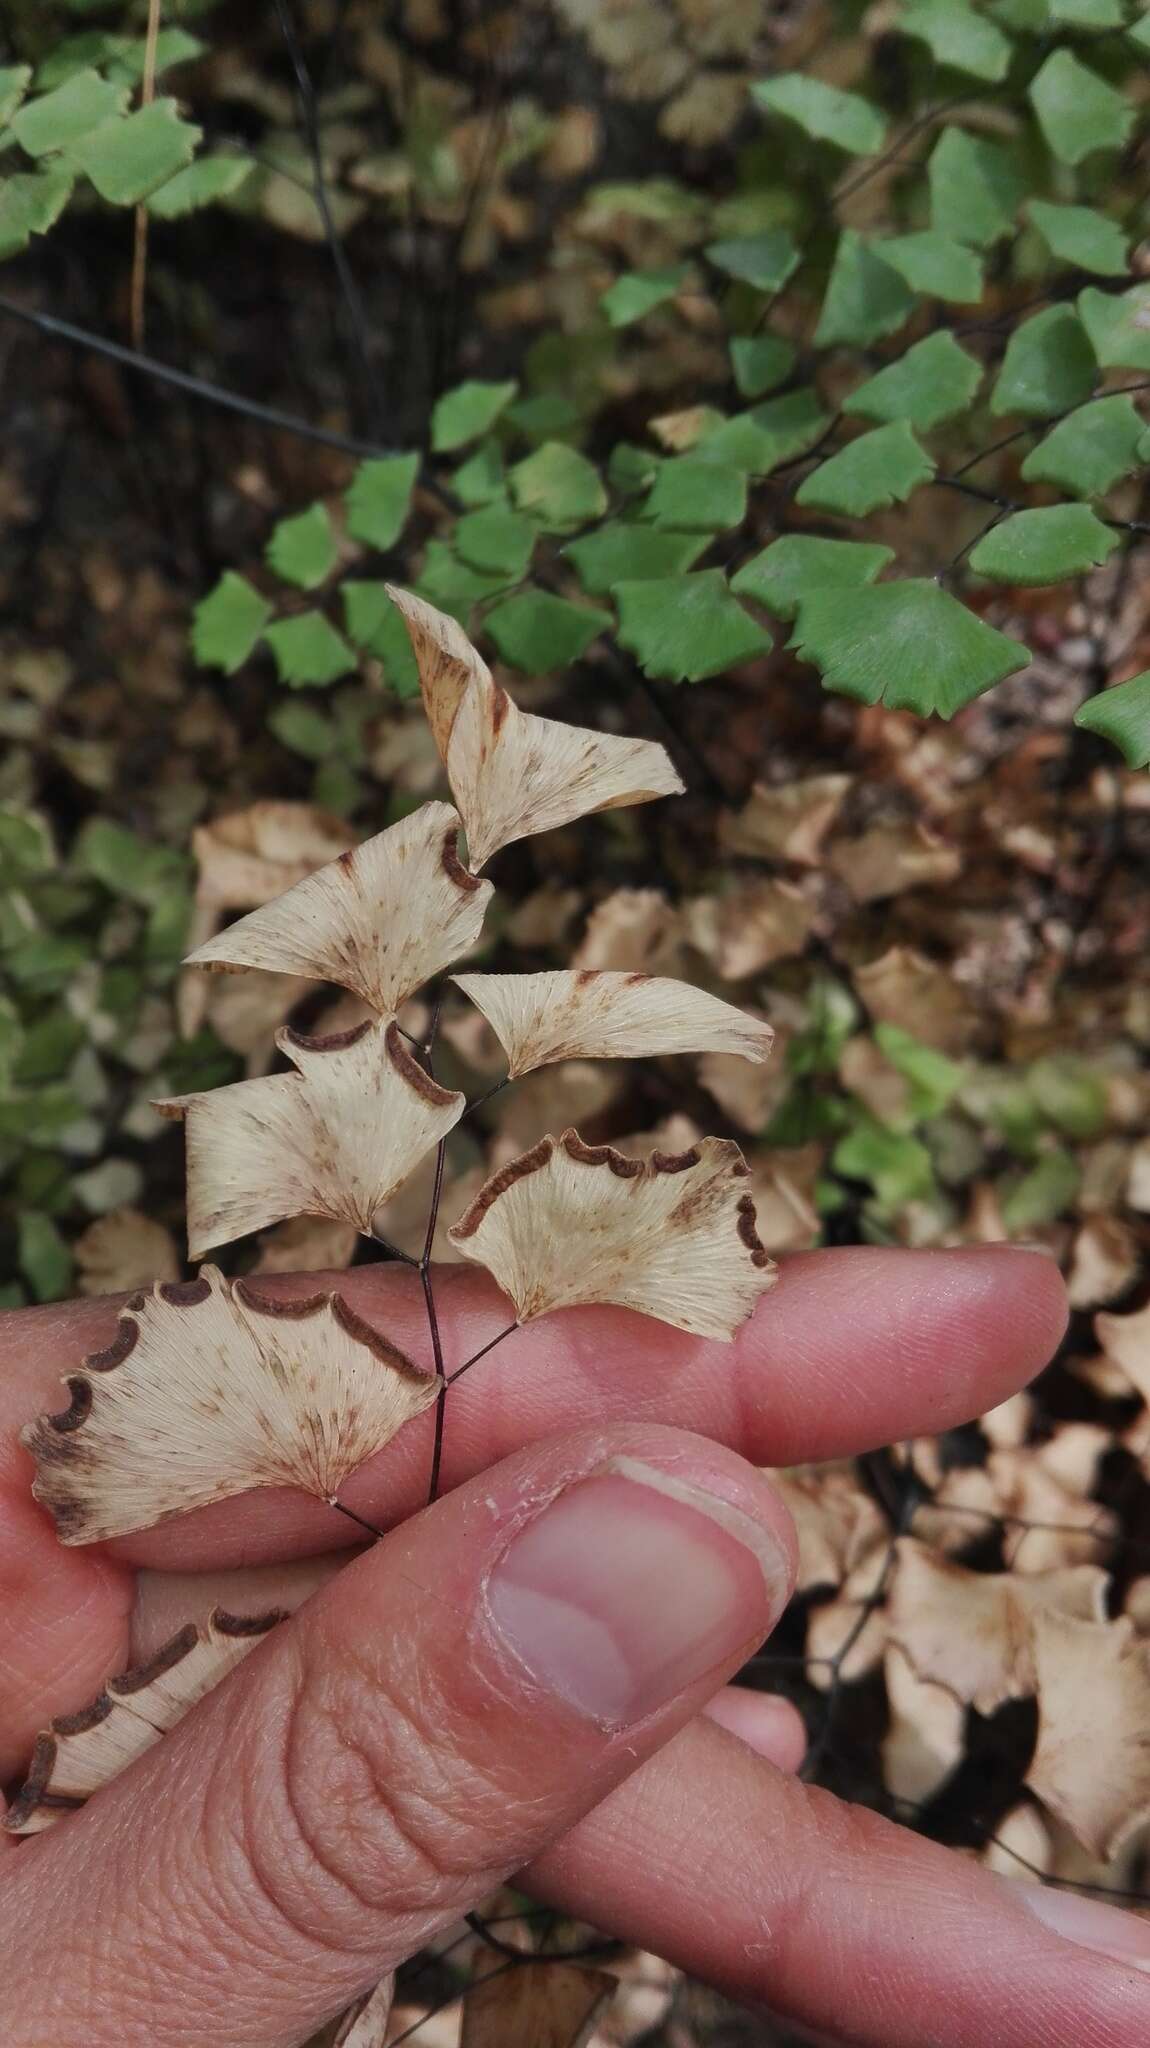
358, 322
183, 380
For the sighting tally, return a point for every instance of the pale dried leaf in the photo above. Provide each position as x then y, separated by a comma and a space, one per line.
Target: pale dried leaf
847, 1636
969, 1631
78, 1753
1137, 1604
902, 987
574, 1092
365, 2025
787, 1219
543, 917
535, 2004
246, 1010
249, 856
924, 1737
865, 1070
635, 931
209, 1389
307, 1244
706, 110
1008, 1426
381, 920
749, 1094
642, 2002
415, 2025
890, 858
671, 1237
403, 1220
1125, 1341
786, 821
122, 1251
1073, 1455
963, 1508
749, 927
337, 1138
1093, 1679
1138, 1179
1050, 1525
513, 774
1104, 1262
582, 1014
1021, 1844
837, 1524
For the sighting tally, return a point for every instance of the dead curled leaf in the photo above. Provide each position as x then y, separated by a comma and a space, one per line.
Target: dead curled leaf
381, 920
539, 1018
365, 2024
925, 1736
786, 821
749, 927
671, 1236
337, 1138
544, 2004
1100, 1789
211, 1388
80, 1752
513, 774
836, 1522
123, 1250
970, 1631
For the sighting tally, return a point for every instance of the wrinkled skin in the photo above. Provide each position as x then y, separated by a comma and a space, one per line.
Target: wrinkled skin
380, 1761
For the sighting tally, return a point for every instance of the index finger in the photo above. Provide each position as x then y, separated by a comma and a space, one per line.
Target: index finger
853, 1348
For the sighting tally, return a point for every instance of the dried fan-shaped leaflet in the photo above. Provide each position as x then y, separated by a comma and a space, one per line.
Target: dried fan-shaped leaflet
79, 1753
671, 1237
1092, 1677
337, 1138
539, 1018
381, 920
513, 774
209, 1389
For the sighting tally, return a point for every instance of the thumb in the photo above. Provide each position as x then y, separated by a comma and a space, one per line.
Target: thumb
426, 1725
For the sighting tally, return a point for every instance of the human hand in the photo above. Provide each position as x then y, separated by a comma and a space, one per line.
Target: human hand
433, 1722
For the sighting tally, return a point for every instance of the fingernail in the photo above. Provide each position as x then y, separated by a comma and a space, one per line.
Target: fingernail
1124, 1937
630, 1587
